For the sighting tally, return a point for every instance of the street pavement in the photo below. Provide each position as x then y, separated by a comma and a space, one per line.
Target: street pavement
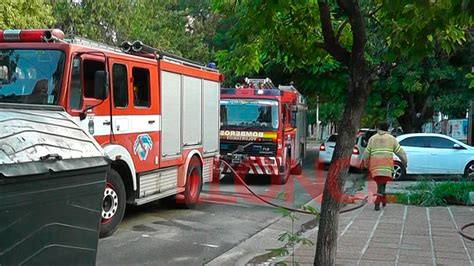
156, 234
398, 235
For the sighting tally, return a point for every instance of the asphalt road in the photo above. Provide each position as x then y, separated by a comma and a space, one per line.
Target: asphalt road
156, 234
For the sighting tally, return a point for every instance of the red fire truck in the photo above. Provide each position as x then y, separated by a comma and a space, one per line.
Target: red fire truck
155, 114
263, 129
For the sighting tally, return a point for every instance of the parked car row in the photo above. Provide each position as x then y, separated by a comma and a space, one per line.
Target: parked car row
428, 154
326, 149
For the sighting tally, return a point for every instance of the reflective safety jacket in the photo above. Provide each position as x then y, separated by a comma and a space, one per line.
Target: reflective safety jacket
378, 156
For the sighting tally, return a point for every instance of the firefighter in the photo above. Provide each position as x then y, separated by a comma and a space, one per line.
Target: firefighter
378, 158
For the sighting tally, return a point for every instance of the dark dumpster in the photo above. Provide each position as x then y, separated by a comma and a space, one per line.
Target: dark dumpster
52, 178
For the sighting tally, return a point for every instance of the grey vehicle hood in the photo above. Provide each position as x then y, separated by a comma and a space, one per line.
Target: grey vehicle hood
36, 139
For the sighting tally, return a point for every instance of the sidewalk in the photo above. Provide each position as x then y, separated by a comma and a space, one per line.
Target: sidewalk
399, 235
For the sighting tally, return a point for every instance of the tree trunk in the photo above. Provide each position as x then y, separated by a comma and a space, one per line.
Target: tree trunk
333, 194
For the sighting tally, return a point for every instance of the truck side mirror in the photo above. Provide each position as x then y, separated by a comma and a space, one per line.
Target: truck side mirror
101, 84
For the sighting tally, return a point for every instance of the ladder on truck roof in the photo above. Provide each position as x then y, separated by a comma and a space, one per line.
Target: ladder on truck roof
143, 51
260, 83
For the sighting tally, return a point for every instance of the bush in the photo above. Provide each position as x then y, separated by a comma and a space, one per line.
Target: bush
437, 193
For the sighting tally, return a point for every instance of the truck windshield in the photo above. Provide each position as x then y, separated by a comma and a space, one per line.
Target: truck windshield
30, 76
249, 114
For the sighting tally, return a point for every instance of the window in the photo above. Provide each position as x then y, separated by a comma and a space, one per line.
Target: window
90, 67
31, 76
120, 86
75, 95
332, 138
141, 87
413, 142
441, 143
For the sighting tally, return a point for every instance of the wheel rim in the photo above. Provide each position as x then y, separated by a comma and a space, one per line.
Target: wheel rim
194, 188
470, 171
397, 172
110, 203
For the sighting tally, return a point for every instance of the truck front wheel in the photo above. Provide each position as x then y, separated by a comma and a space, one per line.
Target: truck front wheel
113, 204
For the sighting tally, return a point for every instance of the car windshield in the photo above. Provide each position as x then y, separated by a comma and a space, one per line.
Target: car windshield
30, 76
249, 114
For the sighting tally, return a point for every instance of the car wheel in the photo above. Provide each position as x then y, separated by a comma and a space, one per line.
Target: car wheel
399, 171
113, 204
469, 171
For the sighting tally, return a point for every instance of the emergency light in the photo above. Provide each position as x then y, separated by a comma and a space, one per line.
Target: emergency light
31, 35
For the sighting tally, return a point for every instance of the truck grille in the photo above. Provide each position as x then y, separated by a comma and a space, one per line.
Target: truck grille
255, 149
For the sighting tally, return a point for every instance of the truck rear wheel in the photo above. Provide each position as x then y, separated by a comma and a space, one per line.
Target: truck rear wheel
193, 183
113, 204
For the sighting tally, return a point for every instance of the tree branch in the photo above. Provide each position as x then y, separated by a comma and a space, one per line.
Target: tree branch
359, 36
341, 27
331, 45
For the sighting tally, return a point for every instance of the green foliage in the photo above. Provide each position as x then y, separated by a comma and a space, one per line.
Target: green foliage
25, 14
165, 24
470, 78
431, 193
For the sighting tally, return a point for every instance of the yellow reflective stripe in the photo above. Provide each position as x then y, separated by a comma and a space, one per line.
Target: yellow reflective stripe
382, 149
382, 152
397, 149
382, 168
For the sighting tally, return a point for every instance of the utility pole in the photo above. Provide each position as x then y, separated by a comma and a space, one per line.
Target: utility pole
317, 117
470, 129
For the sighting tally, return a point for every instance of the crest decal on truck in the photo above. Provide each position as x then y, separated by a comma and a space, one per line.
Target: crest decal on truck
142, 146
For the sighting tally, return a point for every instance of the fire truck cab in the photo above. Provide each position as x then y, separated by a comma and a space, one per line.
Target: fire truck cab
155, 114
263, 129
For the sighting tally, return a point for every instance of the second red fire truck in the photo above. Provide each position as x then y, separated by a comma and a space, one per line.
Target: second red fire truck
263, 129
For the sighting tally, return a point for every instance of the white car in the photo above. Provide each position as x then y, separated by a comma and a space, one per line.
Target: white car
326, 149
434, 154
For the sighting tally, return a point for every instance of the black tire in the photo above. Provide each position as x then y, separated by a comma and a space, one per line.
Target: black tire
399, 172
298, 170
113, 204
469, 171
287, 172
193, 186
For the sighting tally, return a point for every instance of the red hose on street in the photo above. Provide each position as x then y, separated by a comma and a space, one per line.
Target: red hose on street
461, 231
364, 200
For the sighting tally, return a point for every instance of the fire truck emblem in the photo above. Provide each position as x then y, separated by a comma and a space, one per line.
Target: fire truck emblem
142, 146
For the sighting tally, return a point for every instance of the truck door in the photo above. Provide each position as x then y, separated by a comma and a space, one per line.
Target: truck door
145, 121
135, 119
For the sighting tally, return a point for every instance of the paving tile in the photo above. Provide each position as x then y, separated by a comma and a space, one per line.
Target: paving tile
381, 251
380, 255
366, 262
451, 255
414, 253
415, 260
305, 252
304, 259
415, 247
353, 249
345, 262
413, 264
385, 240
348, 255
452, 262
383, 245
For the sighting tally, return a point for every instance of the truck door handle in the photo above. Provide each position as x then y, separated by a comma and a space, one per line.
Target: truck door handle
151, 122
106, 123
